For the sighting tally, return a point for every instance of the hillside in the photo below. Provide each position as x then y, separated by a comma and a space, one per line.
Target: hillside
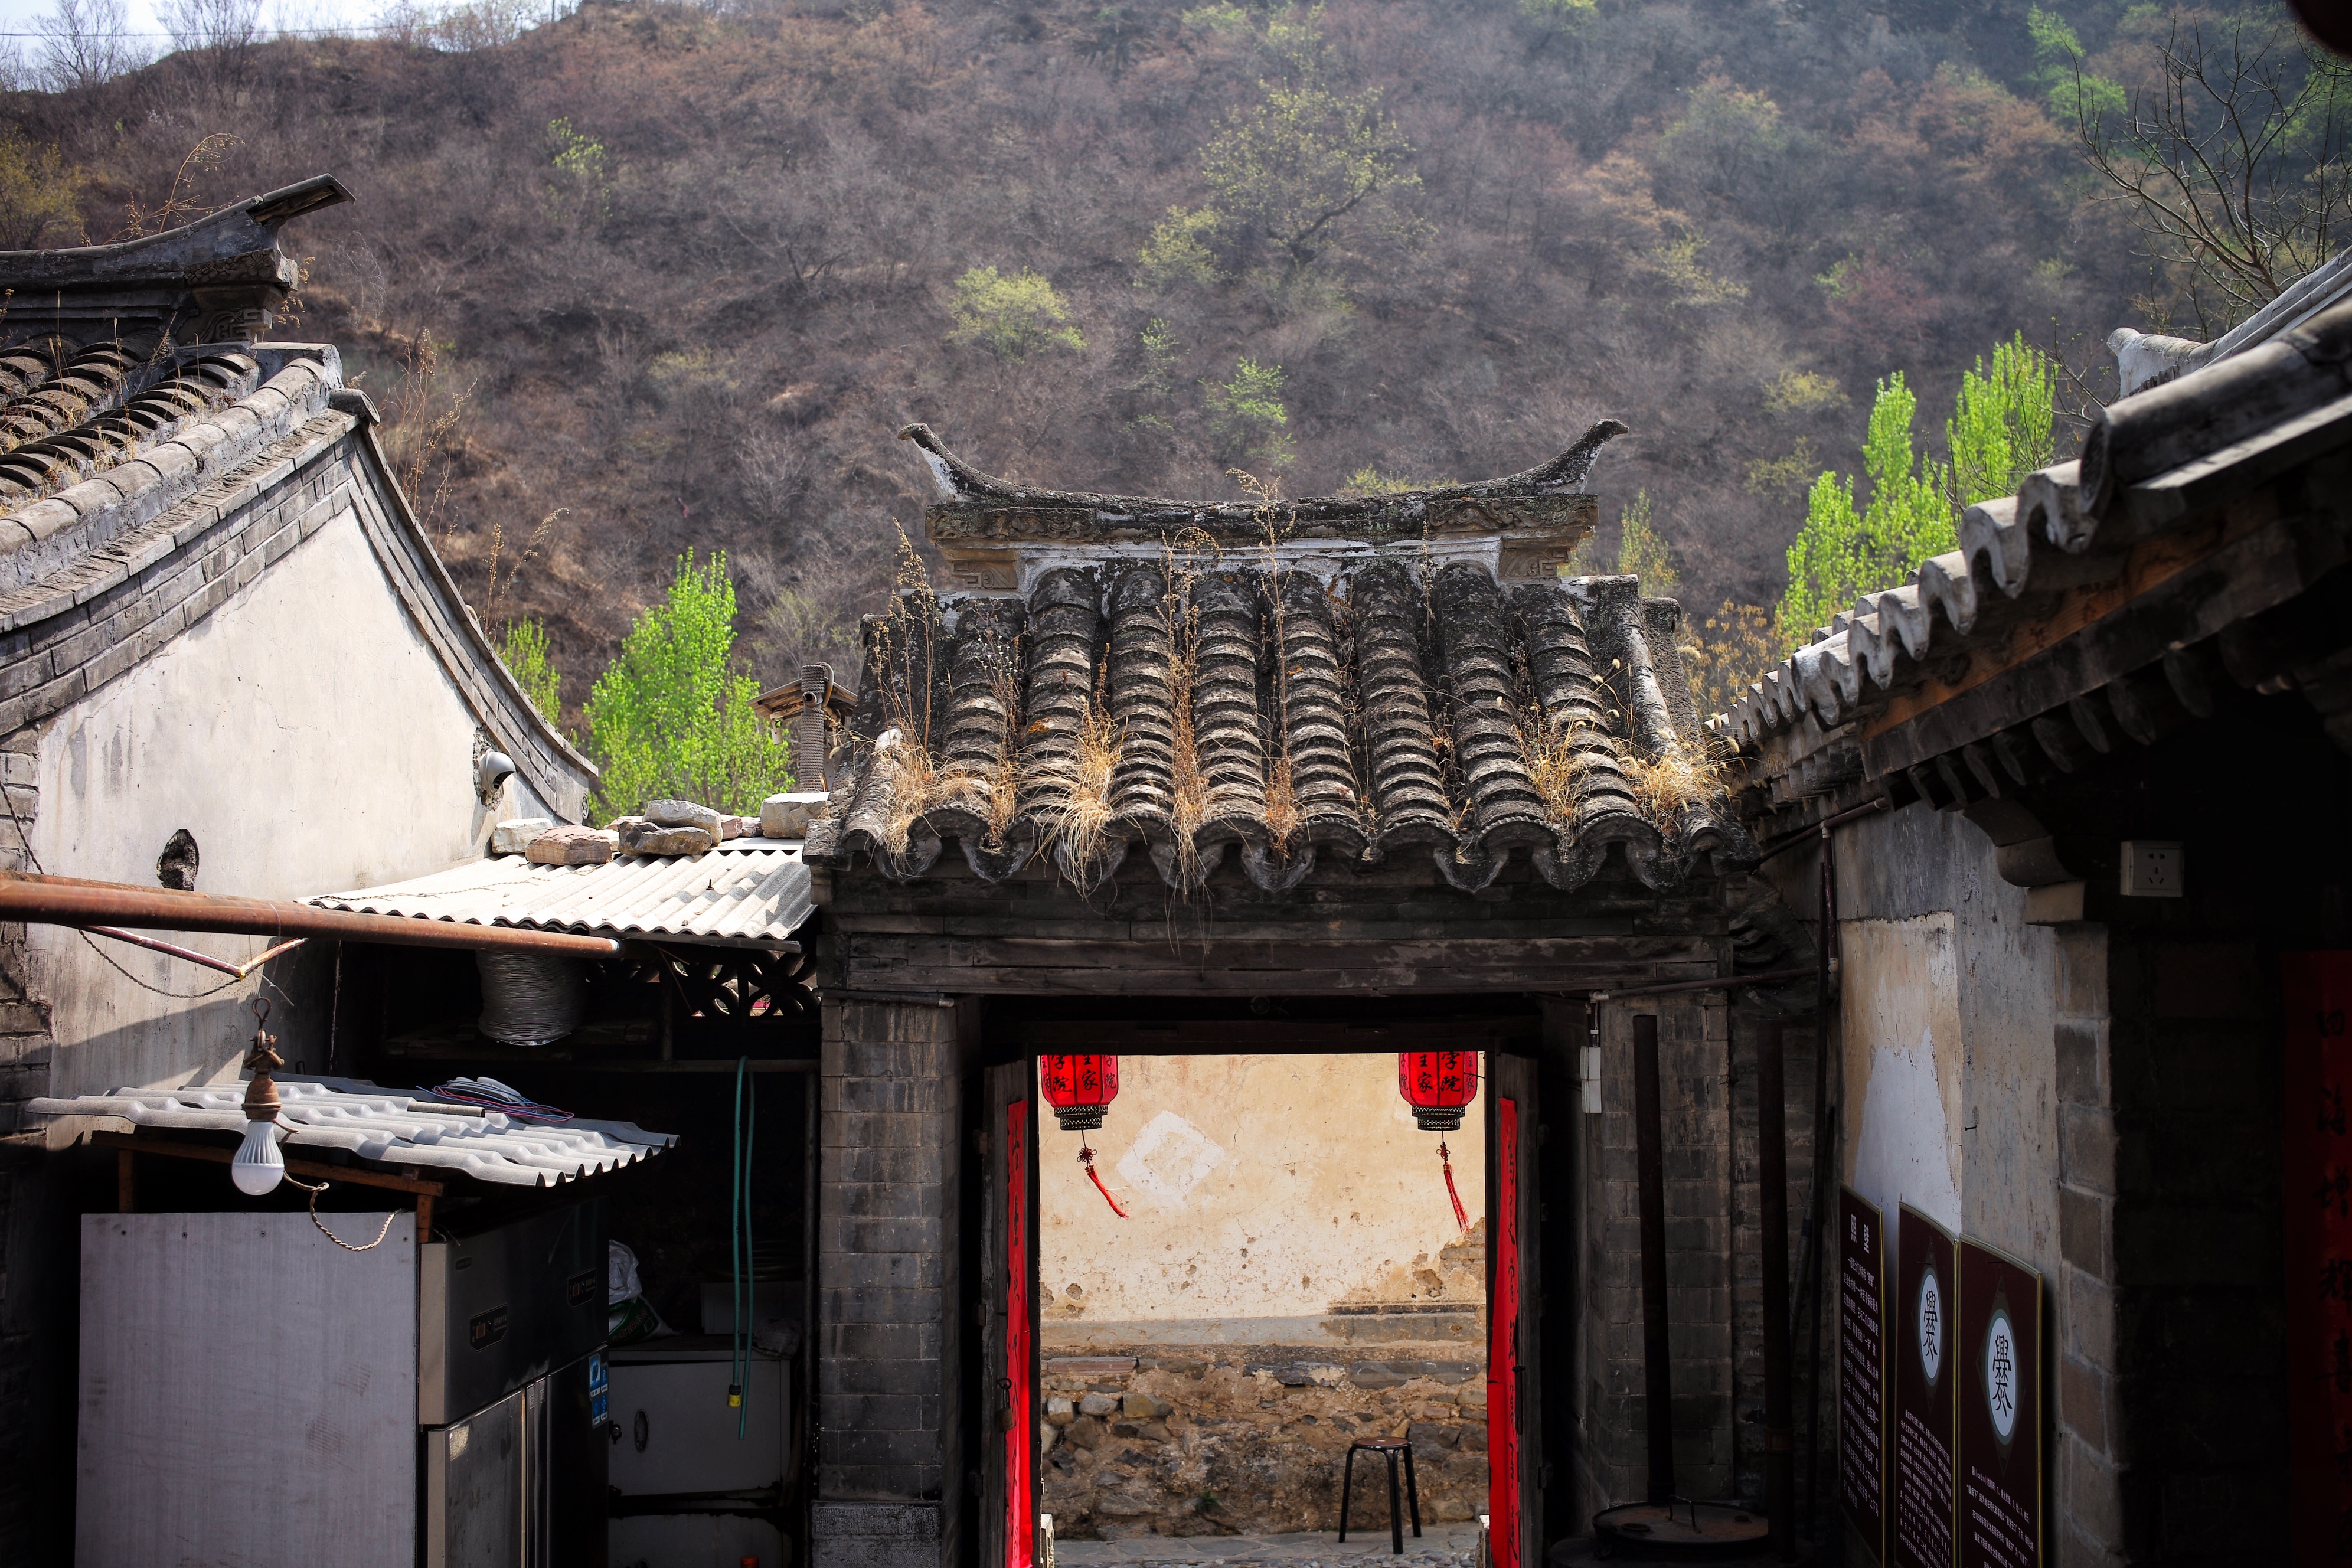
674, 277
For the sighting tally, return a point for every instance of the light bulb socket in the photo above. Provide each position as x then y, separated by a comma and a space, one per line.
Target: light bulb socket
261, 1101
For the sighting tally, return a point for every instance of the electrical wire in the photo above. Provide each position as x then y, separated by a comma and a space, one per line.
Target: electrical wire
331, 1235
491, 1094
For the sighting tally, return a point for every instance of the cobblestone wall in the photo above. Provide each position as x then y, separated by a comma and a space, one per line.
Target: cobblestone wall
1223, 1440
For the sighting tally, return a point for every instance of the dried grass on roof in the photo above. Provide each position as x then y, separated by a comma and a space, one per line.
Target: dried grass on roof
1075, 808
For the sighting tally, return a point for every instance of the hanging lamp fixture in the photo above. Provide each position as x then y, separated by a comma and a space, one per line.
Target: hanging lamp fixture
1438, 1085
1080, 1089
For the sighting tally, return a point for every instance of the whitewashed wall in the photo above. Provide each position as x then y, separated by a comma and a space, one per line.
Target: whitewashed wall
309, 737
1261, 1191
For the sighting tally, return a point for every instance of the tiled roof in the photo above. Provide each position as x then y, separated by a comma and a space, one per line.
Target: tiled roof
390, 1126
158, 436
63, 419
155, 456
1337, 711
2078, 542
750, 893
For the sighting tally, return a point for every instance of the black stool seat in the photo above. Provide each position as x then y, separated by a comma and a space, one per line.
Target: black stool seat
1387, 1448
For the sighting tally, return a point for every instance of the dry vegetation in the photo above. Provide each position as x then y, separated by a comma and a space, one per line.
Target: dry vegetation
682, 272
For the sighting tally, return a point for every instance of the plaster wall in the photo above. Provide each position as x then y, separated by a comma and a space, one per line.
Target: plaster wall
1948, 1003
1271, 1200
309, 740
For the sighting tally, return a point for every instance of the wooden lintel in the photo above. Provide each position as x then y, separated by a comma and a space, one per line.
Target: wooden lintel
964, 965
1270, 1036
309, 1169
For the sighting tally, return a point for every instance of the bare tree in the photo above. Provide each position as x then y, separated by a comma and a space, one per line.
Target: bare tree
231, 26
2233, 163
86, 42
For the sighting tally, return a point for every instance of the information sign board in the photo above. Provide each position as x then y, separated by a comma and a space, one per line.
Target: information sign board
1861, 1368
1920, 1530
2318, 1204
1997, 1379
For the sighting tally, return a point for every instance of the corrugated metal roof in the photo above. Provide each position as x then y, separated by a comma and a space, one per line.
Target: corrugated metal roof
751, 892
388, 1126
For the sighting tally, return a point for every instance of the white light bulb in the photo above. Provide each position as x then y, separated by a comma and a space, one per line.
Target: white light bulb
258, 1167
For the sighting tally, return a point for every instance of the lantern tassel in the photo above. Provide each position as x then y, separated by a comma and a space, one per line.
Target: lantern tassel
1086, 1158
1444, 1160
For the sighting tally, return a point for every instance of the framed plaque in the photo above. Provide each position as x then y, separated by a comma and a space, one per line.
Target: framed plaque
1919, 1526
1999, 1384
2318, 1253
1861, 1368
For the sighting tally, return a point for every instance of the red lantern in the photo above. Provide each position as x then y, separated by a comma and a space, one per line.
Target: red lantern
1437, 1084
1079, 1089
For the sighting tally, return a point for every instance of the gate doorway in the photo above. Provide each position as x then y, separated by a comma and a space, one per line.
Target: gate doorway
1019, 1371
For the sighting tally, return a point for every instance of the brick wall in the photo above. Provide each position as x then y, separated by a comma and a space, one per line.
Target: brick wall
2173, 1393
1800, 1057
890, 1483
1696, 1094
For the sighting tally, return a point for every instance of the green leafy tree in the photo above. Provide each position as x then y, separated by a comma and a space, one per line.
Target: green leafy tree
1178, 251
2058, 77
531, 659
1641, 550
672, 716
1301, 167
1247, 421
1012, 315
2004, 425
1559, 15
579, 187
2003, 429
1842, 552
39, 197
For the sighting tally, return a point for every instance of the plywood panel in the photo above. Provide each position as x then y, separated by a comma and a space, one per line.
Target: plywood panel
248, 1392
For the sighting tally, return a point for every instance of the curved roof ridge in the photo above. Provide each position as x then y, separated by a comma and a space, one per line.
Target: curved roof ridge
961, 485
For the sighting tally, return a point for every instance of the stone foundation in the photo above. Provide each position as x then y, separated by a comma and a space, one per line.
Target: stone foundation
1225, 1439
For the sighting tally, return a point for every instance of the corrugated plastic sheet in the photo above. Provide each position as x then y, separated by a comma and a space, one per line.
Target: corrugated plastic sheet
385, 1125
754, 892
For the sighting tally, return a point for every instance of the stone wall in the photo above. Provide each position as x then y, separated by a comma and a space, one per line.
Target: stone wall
1222, 1440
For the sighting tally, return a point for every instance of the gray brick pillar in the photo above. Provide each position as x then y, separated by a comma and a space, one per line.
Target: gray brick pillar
890, 1488
2090, 1465
1695, 1071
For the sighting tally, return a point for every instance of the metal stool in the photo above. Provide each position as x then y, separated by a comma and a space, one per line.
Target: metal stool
1387, 1448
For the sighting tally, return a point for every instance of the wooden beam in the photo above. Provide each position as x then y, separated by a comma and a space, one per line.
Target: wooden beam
309, 1169
962, 965
1269, 1037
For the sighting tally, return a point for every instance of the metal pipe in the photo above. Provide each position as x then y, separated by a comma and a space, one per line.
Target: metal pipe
64, 900
1871, 809
1650, 1169
1761, 977
1772, 1162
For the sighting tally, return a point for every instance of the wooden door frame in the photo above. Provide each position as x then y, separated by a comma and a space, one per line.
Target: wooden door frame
997, 1530
1543, 1036
1515, 1133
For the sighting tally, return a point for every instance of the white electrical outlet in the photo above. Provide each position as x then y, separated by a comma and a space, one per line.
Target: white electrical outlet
1590, 1070
2152, 868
